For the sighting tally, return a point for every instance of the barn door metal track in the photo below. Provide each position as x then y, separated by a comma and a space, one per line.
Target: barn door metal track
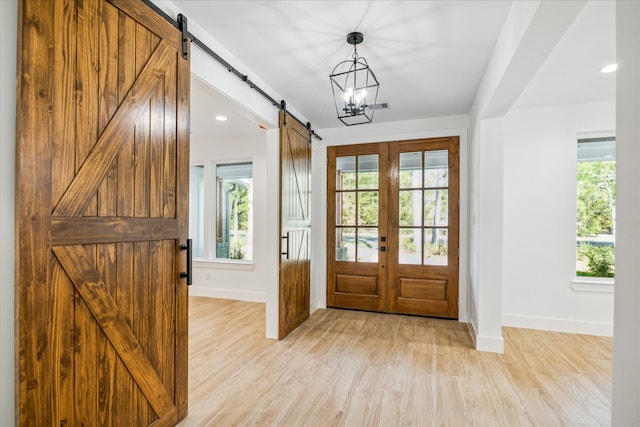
181, 24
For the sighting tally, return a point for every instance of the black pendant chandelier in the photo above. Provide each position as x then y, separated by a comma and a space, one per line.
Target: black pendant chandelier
355, 87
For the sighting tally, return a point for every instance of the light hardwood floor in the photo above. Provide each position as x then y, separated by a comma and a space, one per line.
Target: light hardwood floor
349, 368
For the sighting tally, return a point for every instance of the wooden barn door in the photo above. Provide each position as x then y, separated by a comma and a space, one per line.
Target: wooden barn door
295, 224
101, 212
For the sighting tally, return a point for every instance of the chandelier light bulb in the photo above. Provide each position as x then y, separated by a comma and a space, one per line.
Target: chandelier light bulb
348, 95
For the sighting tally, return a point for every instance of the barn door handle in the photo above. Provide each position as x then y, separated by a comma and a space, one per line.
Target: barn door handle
287, 239
189, 274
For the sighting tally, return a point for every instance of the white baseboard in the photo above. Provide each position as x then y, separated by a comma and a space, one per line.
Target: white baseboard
315, 305
472, 332
491, 344
558, 325
202, 291
486, 343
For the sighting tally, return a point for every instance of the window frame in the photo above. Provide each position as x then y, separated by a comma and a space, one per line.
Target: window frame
587, 283
210, 214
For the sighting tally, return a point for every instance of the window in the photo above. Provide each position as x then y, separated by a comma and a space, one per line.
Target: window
196, 209
234, 184
596, 207
225, 190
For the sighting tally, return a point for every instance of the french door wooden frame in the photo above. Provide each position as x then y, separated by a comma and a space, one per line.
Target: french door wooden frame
426, 284
357, 285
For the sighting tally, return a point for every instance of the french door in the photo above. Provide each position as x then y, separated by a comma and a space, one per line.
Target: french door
393, 225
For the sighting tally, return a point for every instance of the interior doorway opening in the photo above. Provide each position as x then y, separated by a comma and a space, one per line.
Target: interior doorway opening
227, 192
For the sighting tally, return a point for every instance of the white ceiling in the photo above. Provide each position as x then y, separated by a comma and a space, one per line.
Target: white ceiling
571, 74
429, 56
206, 104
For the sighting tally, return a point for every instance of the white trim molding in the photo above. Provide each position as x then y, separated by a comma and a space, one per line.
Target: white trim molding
201, 291
592, 284
604, 329
491, 344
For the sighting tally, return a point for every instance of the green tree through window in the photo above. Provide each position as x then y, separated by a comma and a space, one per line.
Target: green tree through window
596, 208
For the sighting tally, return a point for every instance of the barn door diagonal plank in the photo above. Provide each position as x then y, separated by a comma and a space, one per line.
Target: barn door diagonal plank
89, 284
108, 146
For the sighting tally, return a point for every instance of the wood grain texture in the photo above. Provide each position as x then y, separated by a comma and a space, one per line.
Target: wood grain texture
352, 298
127, 76
398, 272
34, 98
96, 166
351, 368
125, 302
295, 224
97, 288
63, 161
181, 210
420, 297
152, 20
90, 285
86, 86
106, 254
87, 230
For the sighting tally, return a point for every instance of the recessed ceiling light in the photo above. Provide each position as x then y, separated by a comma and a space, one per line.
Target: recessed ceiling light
221, 118
609, 68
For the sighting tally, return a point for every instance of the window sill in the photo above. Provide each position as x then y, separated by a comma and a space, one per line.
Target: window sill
226, 264
592, 284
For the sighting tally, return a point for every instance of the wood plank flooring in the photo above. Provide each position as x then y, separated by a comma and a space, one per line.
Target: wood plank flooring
350, 368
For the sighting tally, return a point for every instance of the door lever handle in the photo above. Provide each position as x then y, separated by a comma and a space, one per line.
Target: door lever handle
287, 251
189, 273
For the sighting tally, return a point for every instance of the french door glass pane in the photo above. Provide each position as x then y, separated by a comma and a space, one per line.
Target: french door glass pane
367, 245
346, 206
368, 172
409, 246
436, 246
346, 173
435, 207
410, 207
367, 208
411, 170
436, 168
345, 244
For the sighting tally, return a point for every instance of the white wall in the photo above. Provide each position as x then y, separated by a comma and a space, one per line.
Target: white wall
530, 32
383, 132
539, 220
488, 231
242, 281
8, 43
626, 337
